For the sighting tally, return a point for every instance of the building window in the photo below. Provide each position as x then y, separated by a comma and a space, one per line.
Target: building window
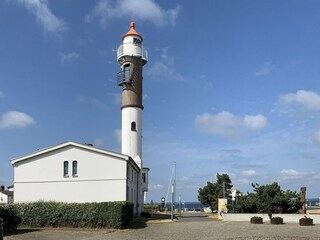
66, 169
75, 168
144, 177
133, 126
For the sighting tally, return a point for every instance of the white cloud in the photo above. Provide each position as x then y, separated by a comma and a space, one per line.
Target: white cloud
98, 142
45, 17
241, 181
316, 176
291, 174
160, 70
255, 122
305, 100
68, 57
163, 69
117, 134
227, 125
13, 119
249, 173
265, 69
147, 10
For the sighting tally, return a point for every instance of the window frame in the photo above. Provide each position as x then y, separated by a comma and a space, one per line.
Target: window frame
74, 168
66, 169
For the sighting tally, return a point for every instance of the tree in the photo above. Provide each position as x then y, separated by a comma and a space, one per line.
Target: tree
268, 198
209, 194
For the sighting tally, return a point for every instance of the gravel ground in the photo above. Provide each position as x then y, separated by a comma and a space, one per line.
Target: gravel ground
181, 230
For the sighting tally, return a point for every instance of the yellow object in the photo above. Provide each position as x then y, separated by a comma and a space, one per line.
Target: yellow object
222, 207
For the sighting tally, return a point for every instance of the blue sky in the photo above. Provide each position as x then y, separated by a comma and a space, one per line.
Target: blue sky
230, 86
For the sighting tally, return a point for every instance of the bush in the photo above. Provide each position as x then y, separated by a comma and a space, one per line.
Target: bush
277, 220
148, 208
256, 220
91, 215
9, 216
305, 221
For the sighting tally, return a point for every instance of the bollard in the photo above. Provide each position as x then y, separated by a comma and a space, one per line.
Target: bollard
1, 229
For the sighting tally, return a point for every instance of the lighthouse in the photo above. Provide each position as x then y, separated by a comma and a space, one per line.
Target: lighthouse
132, 56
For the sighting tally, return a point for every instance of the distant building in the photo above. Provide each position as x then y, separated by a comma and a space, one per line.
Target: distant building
73, 172
6, 196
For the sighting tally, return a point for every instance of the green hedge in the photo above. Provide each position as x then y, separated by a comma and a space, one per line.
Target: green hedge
9, 216
91, 215
87, 215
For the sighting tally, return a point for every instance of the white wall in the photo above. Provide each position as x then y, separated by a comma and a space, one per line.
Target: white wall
131, 144
3, 198
100, 177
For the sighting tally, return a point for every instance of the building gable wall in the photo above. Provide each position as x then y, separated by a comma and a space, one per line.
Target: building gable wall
100, 177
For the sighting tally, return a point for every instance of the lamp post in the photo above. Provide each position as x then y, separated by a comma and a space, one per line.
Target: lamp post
172, 200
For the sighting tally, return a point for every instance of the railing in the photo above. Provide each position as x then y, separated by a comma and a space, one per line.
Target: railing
138, 52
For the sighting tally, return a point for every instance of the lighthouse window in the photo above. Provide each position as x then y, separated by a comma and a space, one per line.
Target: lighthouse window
137, 41
133, 126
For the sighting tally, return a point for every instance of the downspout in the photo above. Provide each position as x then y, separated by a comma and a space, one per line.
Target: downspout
137, 194
127, 197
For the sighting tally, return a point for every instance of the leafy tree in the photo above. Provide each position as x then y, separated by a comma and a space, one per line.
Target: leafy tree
209, 194
268, 198
246, 204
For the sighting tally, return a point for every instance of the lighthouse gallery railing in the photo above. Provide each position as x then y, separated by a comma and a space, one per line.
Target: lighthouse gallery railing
138, 52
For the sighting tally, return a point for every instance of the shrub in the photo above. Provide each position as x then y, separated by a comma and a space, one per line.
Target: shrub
9, 217
148, 208
277, 220
92, 215
256, 220
305, 221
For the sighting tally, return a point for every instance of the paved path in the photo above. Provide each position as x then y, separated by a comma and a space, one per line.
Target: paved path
182, 231
194, 217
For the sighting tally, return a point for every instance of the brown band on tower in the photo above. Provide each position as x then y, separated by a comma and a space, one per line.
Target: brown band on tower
132, 91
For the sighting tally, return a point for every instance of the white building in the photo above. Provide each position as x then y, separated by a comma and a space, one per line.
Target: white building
6, 196
73, 172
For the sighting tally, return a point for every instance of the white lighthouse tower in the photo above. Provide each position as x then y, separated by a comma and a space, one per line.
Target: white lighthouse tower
131, 56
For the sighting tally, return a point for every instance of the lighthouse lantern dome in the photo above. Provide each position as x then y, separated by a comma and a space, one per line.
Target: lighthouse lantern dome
132, 46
